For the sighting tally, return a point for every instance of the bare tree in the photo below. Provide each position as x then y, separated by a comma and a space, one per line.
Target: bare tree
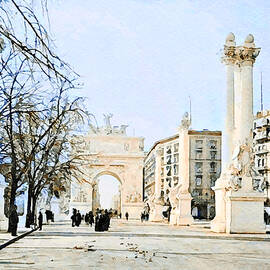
36, 111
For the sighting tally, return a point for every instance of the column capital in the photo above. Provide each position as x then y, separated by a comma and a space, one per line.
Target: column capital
229, 56
246, 56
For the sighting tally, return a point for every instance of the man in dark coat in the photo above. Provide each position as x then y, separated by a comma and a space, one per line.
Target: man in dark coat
106, 221
126, 215
73, 217
78, 219
98, 222
40, 220
91, 218
14, 220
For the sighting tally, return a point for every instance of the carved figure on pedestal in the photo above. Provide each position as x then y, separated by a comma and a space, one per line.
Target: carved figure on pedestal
174, 197
185, 122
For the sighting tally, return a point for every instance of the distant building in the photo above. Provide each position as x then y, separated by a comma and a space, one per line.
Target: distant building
204, 169
261, 141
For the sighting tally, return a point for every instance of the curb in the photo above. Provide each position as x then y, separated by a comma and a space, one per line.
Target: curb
11, 241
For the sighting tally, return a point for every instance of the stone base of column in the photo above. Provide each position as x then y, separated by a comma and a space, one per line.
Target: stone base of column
156, 215
218, 224
133, 209
174, 216
245, 212
185, 217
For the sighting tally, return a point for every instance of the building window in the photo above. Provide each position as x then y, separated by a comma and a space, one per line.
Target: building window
198, 180
168, 170
212, 167
176, 147
213, 144
198, 154
176, 158
199, 144
169, 149
212, 180
175, 169
259, 162
169, 159
213, 154
198, 167
175, 181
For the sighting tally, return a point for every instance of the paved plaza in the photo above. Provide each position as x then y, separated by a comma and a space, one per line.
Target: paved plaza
133, 245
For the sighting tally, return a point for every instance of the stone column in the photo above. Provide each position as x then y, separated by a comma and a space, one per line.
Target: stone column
219, 222
243, 209
157, 213
184, 197
227, 136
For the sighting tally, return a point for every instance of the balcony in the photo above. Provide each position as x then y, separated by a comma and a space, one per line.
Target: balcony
262, 135
261, 151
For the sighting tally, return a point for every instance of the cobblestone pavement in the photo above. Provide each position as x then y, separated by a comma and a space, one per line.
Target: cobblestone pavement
132, 245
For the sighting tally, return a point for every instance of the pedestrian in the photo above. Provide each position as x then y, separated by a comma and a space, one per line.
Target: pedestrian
120, 215
91, 218
47, 213
142, 216
14, 220
86, 219
126, 215
40, 220
73, 217
98, 221
78, 219
106, 221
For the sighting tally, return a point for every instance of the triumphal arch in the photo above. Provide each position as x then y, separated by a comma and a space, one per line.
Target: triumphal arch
107, 150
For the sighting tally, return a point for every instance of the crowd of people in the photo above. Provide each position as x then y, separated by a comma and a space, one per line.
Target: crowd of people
100, 218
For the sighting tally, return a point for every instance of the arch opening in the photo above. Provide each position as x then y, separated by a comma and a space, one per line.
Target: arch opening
109, 192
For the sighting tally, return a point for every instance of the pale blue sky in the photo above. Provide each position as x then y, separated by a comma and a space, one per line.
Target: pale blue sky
141, 59
108, 187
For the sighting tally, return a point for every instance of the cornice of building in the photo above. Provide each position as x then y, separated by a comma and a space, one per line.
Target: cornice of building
205, 132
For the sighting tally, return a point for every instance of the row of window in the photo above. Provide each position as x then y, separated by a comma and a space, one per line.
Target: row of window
199, 165
212, 144
198, 180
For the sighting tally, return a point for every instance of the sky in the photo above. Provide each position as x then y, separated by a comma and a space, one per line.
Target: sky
108, 187
141, 60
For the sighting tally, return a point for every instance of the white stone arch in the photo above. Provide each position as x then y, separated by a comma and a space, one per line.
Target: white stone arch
111, 172
112, 154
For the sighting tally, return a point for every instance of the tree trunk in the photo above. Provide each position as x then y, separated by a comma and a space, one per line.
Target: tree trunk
34, 201
29, 217
14, 185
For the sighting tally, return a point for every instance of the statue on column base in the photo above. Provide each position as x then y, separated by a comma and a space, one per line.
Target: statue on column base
235, 196
157, 211
174, 201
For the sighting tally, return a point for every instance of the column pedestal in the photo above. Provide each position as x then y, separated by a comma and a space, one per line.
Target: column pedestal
185, 217
218, 224
245, 211
157, 213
